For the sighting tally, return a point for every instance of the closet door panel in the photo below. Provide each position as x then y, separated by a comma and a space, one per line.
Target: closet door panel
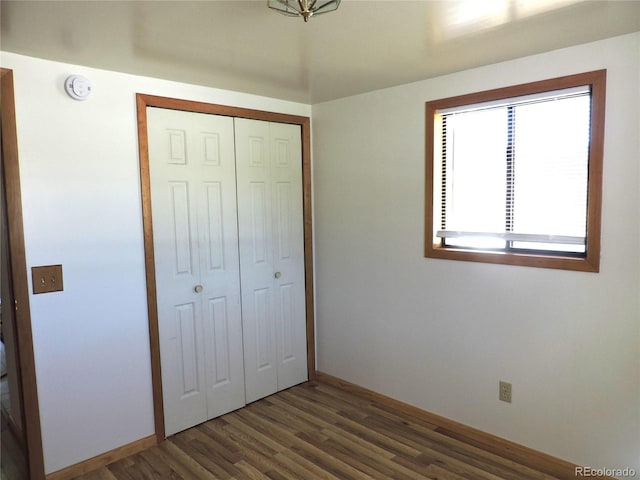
288, 253
227, 213
269, 177
219, 264
192, 176
256, 257
175, 234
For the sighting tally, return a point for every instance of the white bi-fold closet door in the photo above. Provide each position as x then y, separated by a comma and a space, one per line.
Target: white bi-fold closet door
226, 199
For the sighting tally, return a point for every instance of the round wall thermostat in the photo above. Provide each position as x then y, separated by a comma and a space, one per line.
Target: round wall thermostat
78, 87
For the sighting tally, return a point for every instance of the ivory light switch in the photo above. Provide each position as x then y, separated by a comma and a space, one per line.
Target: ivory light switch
47, 279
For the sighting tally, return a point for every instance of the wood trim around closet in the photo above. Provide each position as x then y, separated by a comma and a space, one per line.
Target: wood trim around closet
19, 278
143, 101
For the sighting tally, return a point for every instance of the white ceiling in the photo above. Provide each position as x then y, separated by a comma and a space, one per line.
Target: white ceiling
365, 45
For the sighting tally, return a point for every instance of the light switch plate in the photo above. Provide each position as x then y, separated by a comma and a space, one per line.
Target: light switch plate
47, 278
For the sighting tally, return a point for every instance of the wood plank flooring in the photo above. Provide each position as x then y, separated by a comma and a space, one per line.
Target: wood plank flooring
316, 431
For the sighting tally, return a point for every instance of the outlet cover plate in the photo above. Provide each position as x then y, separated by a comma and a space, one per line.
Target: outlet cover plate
505, 392
47, 278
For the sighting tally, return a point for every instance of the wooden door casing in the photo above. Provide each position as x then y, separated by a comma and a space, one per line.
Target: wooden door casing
144, 101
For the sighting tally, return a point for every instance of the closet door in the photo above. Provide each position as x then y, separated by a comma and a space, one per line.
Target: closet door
269, 182
193, 198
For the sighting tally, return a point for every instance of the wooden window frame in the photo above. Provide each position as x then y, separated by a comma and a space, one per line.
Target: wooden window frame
590, 262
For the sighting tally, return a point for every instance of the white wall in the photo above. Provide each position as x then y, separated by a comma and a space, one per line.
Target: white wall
82, 208
440, 334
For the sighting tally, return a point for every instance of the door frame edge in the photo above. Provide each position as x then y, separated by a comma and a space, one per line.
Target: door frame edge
19, 277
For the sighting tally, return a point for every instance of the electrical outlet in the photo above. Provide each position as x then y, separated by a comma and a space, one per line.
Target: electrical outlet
505, 392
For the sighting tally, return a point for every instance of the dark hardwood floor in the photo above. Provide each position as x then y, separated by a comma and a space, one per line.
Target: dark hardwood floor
316, 431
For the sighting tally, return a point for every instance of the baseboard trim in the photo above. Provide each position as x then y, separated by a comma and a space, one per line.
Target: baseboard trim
104, 459
543, 462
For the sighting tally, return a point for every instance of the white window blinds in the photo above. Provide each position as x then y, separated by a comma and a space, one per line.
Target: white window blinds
514, 173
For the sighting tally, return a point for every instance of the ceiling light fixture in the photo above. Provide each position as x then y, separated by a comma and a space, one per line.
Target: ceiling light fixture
303, 8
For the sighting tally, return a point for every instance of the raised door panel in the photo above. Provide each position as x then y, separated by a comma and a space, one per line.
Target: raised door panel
186, 336
214, 246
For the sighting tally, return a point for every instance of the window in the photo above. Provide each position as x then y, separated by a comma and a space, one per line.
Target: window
514, 174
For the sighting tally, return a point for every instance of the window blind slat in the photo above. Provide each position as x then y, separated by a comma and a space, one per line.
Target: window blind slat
515, 237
